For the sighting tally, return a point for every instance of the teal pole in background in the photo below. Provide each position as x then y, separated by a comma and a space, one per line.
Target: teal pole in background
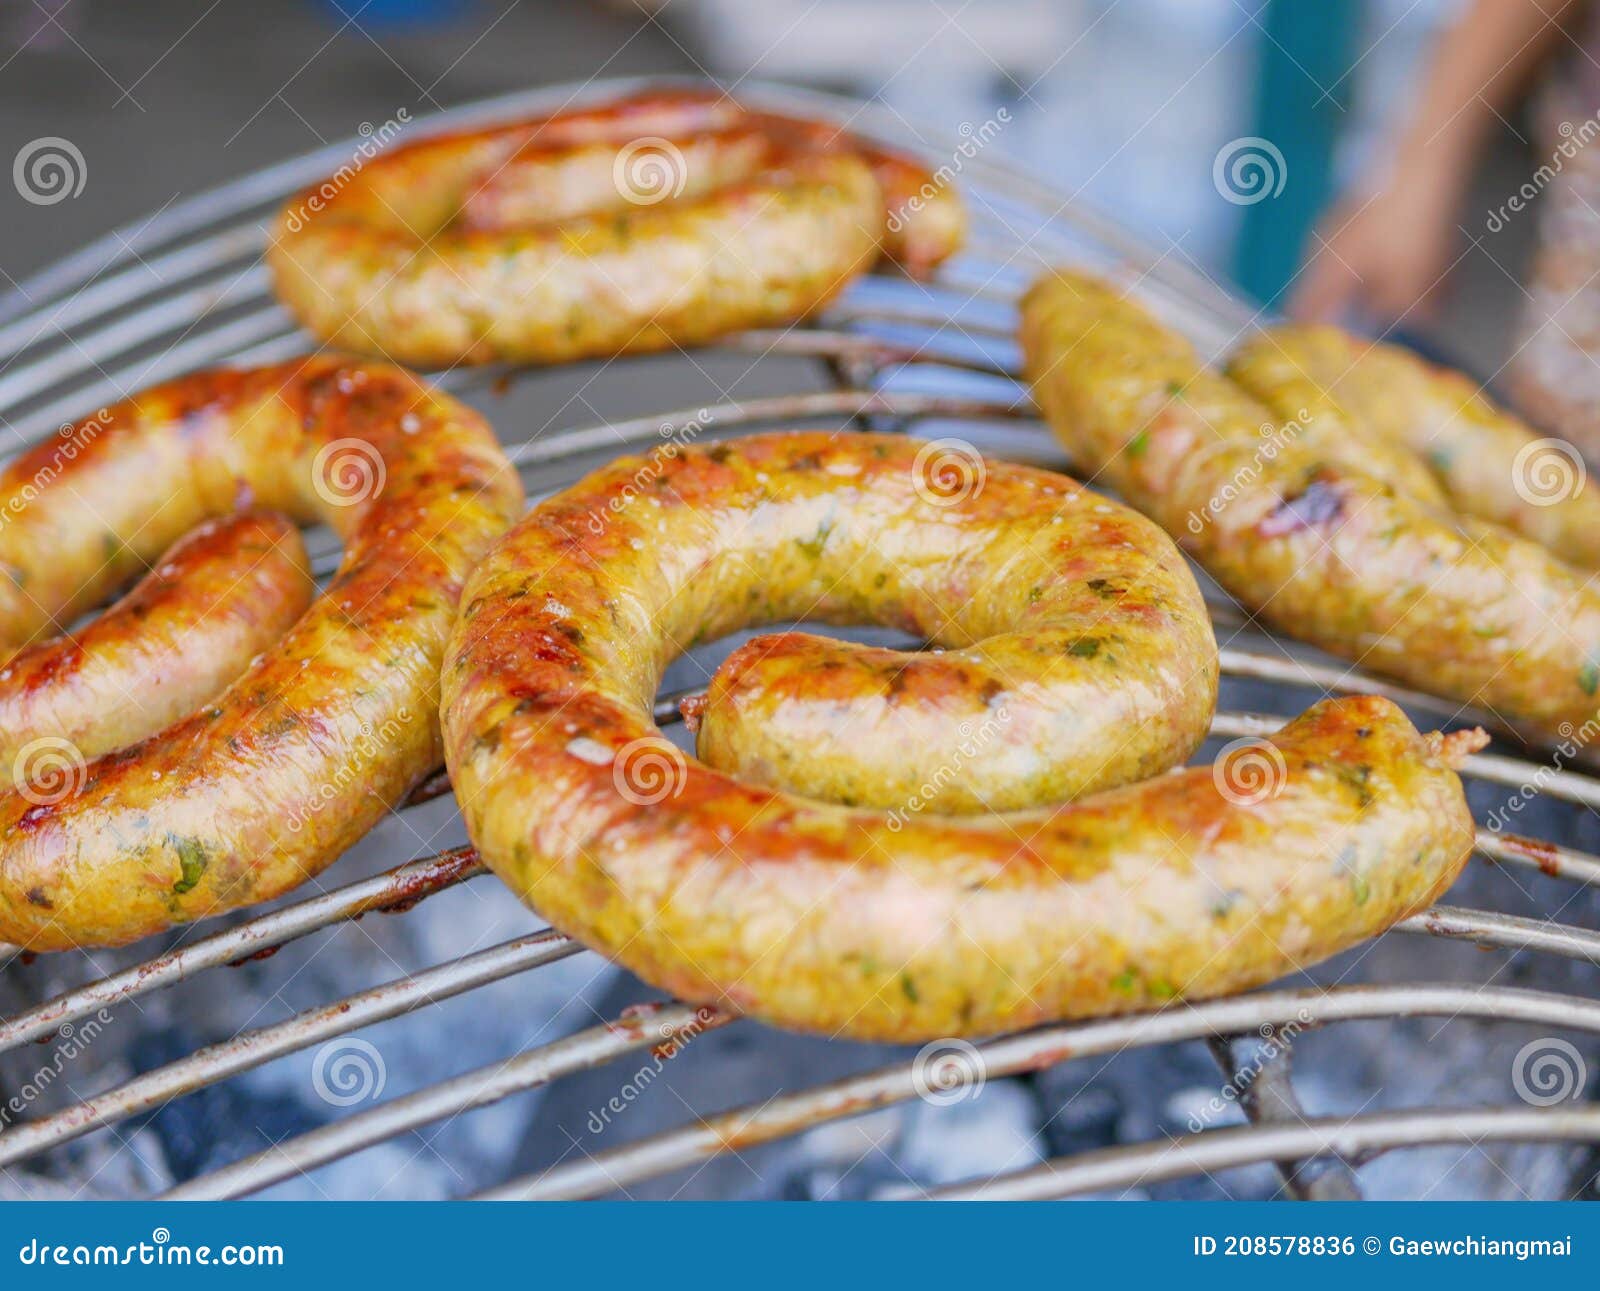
1304, 52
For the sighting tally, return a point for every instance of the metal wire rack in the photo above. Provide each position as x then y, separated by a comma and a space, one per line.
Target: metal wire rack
187, 289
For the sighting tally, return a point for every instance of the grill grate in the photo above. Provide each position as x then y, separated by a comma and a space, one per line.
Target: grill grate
187, 289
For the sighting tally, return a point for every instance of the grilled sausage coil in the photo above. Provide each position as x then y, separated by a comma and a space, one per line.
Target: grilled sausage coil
664, 219
1343, 492
225, 592
314, 740
1070, 624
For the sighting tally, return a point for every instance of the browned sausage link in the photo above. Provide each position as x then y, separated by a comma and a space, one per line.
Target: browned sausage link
666, 219
1489, 465
269, 782
221, 595
903, 924
1293, 525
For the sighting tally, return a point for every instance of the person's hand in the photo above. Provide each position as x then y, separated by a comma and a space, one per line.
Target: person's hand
1381, 254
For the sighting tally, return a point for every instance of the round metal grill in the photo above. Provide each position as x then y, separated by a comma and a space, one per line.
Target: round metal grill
187, 289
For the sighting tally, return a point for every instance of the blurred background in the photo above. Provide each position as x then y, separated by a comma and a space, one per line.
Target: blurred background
1221, 131
1127, 104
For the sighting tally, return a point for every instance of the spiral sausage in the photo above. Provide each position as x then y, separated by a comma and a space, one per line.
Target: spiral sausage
1066, 611
664, 219
305, 751
1300, 506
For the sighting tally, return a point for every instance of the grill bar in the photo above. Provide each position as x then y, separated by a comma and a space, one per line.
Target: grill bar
658, 1025
252, 1048
1117, 1169
749, 1126
1267, 1098
399, 888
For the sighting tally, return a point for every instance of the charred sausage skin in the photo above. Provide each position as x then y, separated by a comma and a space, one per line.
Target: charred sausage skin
897, 924
264, 786
1282, 506
225, 592
665, 219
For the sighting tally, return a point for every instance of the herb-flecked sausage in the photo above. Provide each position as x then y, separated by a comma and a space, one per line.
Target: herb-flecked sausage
268, 782
225, 592
1292, 507
894, 921
1485, 463
663, 219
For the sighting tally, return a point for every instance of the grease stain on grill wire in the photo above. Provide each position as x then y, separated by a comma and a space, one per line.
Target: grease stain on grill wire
499, 1044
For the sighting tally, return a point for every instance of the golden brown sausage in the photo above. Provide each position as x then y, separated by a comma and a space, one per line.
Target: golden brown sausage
664, 219
265, 785
901, 923
1283, 506
1487, 464
224, 593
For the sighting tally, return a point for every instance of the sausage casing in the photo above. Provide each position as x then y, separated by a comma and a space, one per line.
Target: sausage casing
225, 592
266, 784
1288, 514
665, 219
899, 924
